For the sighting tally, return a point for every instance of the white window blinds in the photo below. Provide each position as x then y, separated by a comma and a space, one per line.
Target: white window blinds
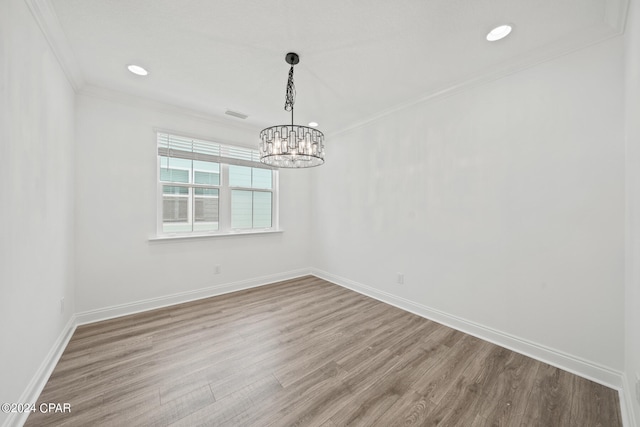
197, 149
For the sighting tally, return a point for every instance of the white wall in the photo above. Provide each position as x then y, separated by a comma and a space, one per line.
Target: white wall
632, 128
36, 208
502, 204
116, 213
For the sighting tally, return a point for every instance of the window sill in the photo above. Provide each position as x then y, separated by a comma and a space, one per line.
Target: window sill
168, 237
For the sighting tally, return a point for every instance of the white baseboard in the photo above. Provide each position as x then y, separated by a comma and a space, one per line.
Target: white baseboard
40, 378
626, 402
584, 368
164, 301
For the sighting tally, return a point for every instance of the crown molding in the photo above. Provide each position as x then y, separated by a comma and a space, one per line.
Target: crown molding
47, 20
112, 95
612, 25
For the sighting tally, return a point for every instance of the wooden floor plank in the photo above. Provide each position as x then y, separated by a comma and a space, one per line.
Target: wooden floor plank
236, 405
319, 387
369, 404
550, 399
309, 353
593, 403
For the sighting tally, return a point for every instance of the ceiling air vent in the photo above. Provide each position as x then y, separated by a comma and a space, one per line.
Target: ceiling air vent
236, 114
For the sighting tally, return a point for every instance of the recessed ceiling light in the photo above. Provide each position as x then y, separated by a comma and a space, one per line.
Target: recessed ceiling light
136, 69
313, 124
499, 33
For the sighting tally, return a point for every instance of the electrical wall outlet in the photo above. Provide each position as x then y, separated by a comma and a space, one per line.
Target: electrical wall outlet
217, 269
400, 279
62, 305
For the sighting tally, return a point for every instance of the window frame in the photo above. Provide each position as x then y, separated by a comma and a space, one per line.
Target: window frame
224, 193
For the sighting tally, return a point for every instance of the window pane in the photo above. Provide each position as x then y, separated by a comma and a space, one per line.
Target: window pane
201, 165
174, 175
239, 176
241, 209
206, 191
174, 170
261, 209
262, 178
208, 178
174, 162
175, 209
206, 172
174, 189
176, 227
205, 209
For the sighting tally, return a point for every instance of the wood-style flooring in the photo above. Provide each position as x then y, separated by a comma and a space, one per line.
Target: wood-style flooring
305, 352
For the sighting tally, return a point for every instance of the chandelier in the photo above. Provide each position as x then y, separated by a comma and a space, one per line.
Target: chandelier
291, 146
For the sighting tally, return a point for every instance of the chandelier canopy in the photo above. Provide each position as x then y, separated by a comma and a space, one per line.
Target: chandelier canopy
291, 146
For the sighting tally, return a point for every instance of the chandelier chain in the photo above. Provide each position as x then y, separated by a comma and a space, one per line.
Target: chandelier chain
290, 98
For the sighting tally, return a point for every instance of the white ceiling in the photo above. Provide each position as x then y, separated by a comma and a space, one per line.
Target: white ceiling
358, 59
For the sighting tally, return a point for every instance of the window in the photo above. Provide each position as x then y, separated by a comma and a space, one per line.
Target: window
251, 197
210, 188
